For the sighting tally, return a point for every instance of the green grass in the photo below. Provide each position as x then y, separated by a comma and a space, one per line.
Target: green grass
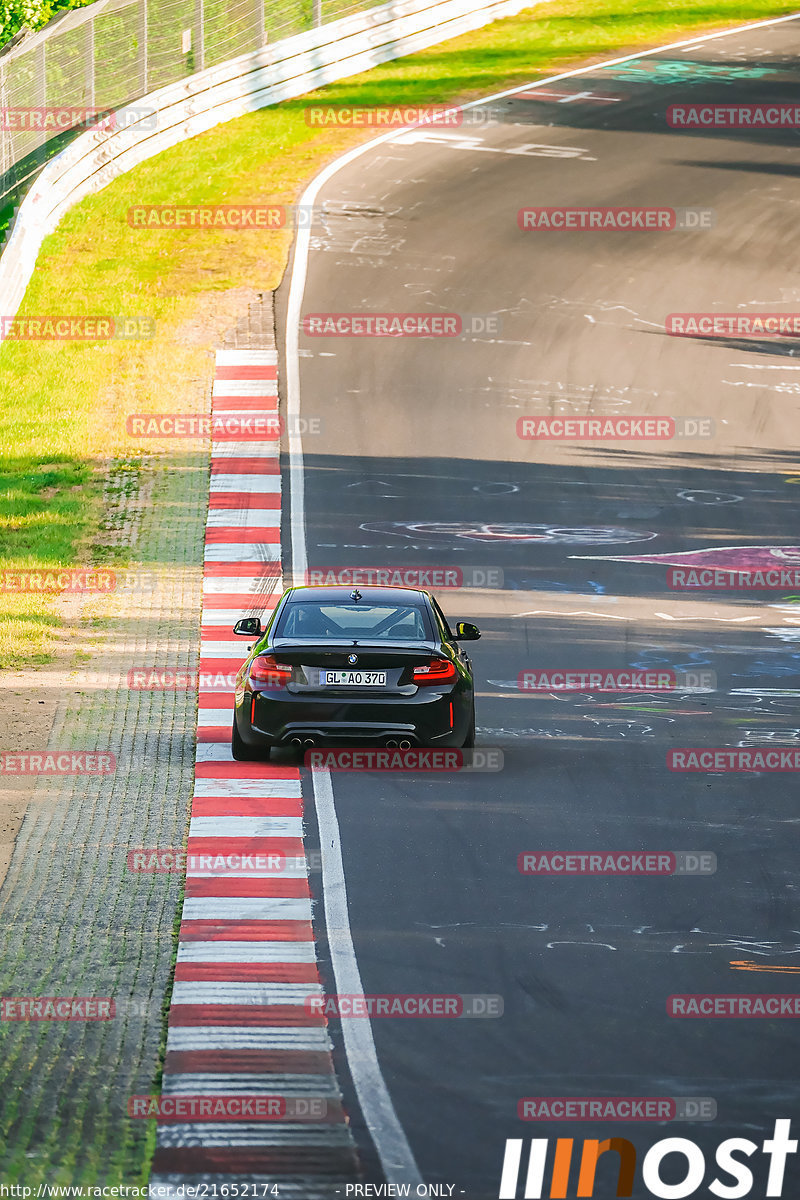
63, 405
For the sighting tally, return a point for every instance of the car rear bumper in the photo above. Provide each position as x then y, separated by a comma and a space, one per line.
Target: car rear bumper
424, 719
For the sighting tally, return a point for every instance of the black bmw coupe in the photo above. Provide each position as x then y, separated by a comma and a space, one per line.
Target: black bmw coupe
376, 666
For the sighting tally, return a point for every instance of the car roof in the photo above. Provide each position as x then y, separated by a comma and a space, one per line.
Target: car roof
369, 592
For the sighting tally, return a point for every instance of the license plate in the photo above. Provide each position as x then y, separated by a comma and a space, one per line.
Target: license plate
354, 678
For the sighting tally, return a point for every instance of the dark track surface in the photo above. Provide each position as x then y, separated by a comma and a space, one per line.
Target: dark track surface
425, 431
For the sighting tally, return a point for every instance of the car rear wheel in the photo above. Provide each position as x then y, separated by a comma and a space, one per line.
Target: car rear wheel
241, 751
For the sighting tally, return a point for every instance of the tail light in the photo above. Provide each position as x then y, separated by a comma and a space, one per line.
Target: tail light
438, 670
264, 669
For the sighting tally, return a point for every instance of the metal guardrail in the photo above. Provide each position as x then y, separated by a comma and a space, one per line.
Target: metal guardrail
104, 56
290, 68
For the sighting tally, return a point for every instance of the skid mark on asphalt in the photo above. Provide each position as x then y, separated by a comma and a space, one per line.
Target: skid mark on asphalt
240, 1024
762, 967
463, 141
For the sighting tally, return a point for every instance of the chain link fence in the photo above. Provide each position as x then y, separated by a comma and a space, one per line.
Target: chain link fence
97, 59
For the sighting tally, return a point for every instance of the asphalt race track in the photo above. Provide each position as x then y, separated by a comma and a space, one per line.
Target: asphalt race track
418, 464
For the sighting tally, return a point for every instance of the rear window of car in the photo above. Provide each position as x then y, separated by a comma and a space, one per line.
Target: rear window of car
381, 622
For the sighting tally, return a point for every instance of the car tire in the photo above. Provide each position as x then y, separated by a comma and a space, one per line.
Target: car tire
469, 740
241, 751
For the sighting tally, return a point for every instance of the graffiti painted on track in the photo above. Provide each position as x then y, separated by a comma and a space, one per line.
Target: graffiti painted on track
590, 588
511, 533
717, 558
702, 496
670, 71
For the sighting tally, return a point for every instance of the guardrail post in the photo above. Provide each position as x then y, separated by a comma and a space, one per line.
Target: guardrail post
88, 65
6, 146
312, 59
143, 47
199, 35
41, 72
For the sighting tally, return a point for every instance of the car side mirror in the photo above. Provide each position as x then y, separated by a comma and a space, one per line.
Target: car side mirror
465, 632
248, 627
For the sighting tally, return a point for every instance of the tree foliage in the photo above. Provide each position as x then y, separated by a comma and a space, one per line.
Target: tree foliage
31, 14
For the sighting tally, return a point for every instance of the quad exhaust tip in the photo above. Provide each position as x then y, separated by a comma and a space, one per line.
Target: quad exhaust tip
405, 744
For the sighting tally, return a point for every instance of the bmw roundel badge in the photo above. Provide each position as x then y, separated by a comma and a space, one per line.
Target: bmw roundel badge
352, 659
